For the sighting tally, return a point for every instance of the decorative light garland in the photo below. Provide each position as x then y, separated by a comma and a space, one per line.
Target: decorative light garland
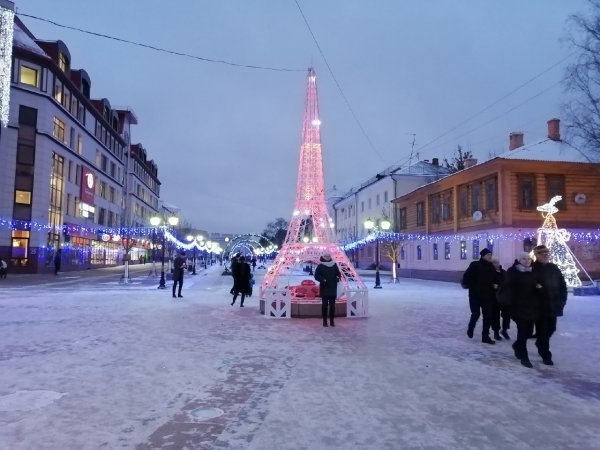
7, 18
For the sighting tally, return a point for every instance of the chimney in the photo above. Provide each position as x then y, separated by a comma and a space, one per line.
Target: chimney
470, 162
554, 129
515, 140
435, 161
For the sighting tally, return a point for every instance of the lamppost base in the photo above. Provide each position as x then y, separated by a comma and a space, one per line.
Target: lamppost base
162, 284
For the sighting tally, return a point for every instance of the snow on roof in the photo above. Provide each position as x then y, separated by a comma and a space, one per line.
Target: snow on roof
548, 150
22, 40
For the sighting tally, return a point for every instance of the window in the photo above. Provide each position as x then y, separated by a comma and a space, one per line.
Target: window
402, 252
63, 62
475, 248
447, 206
475, 197
491, 195
23, 197
79, 144
446, 250
362, 206
369, 203
420, 213
58, 91
526, 192
385, 197
436, 209
436, 254
377, 200
29, 76
463, 201
20, 245
25, 154
101, 216
490, 245
403, 224
463, 249
555, 185
419, 253
104, 163
59, 129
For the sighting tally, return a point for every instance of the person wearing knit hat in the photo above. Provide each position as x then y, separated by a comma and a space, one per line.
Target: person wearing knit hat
554, 299
521, 290
481, 280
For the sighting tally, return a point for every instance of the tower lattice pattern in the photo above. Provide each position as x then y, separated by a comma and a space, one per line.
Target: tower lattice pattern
310, 232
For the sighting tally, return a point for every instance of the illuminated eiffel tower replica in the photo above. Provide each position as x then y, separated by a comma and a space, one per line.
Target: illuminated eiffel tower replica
310, 232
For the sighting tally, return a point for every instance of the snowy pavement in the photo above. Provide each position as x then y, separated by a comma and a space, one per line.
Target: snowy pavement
100, 366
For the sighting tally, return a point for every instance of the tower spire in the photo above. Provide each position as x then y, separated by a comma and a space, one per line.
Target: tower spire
310, 232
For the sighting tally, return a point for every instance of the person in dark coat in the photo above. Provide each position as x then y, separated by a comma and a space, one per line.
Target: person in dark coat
554, 298
57, 261
241, 281
328, 275
498, 310
234, 265
179, 266
480, 278
3, 268
523, 292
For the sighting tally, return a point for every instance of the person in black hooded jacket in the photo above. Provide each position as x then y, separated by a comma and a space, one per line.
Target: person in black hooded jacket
328, 275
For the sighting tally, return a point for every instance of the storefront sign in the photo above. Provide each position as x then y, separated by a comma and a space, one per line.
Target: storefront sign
88, 186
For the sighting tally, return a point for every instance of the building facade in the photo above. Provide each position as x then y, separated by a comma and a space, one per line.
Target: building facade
444, 225
64, 165
372, 200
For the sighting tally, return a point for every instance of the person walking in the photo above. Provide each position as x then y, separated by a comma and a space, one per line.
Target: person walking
554, 299
234, 265
328, 275
499, 311
241, 281
179, 266
480, 278
57, 261
3, 268
522, 291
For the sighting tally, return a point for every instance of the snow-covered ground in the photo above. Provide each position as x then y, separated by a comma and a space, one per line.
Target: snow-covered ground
106, 366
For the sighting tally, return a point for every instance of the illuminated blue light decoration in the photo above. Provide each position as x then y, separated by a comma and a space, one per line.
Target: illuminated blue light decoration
7, 17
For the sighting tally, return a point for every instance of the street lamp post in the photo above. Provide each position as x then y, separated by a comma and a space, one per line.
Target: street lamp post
384, 225
156, 221
196, 239
153, 272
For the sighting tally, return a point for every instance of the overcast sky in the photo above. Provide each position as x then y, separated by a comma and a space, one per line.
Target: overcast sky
226, 139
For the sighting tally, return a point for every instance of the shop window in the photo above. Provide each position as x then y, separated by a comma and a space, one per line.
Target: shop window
436, 255
475, 248
463, 249
20, 244
446, 250
419, 253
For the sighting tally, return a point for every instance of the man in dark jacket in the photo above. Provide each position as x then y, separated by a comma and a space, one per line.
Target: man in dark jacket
480, 278
554, 299
328, 275
179, 265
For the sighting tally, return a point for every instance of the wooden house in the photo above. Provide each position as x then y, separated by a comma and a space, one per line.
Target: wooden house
444, 225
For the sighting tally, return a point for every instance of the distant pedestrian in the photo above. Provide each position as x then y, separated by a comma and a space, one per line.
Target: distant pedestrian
179, 265
57, 261
234, 265
253, 263
3, 268
480, 278
241, 281
328, 275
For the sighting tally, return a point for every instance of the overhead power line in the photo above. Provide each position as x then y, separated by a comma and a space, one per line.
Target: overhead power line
163, 50
362, 129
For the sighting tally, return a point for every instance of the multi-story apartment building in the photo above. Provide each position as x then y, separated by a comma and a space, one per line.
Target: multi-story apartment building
445, 224
64, 164
372, 200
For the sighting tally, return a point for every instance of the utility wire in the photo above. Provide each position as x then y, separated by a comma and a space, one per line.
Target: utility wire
498, 101
493, 119
158, 49
338, 84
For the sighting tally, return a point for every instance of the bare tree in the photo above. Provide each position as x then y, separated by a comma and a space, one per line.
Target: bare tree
393, 252
582, 80
458, 159
276, 231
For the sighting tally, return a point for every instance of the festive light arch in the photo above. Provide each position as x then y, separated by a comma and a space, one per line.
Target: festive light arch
7, 18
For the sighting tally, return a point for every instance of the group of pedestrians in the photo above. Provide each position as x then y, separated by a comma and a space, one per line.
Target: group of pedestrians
531, 293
